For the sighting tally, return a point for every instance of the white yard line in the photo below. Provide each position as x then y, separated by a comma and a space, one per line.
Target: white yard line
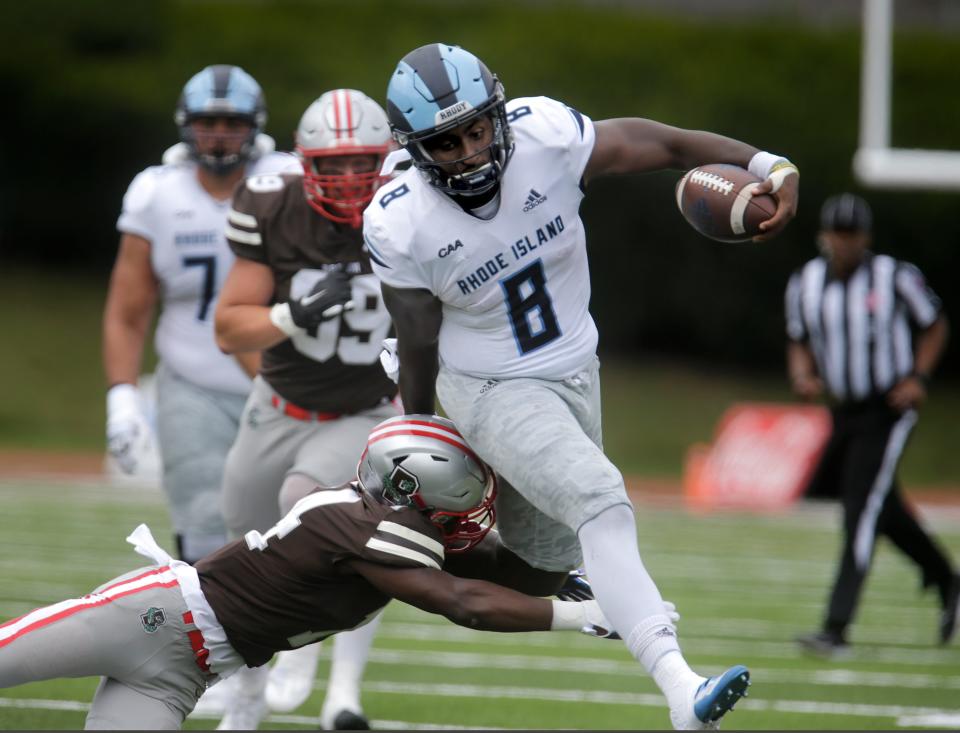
693, 644
581, 665
308, 720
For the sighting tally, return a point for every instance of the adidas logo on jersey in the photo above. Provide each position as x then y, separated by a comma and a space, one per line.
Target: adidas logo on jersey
534, 199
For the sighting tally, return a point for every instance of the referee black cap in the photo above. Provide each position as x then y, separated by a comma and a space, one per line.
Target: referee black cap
845, 212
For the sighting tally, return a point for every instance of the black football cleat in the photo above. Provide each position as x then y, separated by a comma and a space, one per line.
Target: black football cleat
950, 597
824, 644
348, 720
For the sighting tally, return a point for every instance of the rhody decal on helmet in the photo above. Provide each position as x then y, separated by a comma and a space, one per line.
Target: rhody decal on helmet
436, 88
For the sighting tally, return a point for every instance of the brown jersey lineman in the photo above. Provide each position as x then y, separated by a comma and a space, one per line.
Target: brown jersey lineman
159, 635
301, 290
332, 367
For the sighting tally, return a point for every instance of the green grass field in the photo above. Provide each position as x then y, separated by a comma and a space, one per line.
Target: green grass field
745, 585
653, 410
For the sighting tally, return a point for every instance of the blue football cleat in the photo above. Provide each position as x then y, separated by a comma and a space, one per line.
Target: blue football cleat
712, 699
719, 694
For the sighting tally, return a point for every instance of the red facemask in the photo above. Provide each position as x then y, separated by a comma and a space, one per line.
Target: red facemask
341, 197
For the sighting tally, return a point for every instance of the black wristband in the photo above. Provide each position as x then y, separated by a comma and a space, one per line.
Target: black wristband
924, 379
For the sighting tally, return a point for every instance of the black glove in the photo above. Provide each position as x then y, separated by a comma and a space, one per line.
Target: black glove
328, 298
575, 588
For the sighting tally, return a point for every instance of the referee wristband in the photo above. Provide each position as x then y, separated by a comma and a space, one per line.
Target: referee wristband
924, 379
281, 317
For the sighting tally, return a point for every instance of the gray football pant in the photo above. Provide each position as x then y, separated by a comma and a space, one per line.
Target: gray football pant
271, 446
196, 428
151, 680
544, 440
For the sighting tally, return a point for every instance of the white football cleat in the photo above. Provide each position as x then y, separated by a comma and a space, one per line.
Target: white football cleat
291, 678
711, 700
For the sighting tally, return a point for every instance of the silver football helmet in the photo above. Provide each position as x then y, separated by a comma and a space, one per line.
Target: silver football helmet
342, 122
422, 461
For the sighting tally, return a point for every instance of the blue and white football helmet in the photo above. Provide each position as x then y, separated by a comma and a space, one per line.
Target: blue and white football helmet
438, 87
222, 90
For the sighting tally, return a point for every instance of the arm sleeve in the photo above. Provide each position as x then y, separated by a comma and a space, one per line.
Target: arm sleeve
405, 539
243, 228
136, 213
796, 329
911, 287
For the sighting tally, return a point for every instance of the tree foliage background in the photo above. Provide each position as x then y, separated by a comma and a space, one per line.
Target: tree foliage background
89, 90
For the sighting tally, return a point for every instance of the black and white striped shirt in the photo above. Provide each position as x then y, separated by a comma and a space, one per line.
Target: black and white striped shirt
859, 329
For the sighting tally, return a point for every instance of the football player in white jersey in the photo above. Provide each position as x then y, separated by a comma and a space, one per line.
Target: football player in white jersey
173, 251
482, 256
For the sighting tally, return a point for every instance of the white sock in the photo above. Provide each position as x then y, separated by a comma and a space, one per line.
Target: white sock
250, 682
348, 660
630, 599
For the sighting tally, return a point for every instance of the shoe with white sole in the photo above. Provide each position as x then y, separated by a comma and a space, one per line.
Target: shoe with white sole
712, 699
291, 678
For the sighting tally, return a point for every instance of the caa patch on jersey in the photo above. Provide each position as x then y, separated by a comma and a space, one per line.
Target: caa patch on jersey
717, 201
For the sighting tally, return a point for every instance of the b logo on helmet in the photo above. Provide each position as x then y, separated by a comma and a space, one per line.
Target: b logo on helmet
400, 485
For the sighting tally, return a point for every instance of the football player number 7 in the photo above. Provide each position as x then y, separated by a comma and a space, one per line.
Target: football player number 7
209, 265
530, 308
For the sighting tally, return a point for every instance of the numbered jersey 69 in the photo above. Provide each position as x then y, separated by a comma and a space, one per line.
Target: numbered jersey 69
334, 367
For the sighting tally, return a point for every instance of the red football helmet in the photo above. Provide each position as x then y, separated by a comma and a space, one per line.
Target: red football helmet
422, 461
342, 140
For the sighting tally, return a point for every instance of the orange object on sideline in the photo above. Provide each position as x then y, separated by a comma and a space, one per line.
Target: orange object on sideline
760, 460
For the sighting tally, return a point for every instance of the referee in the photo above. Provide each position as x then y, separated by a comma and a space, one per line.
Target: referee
866, 329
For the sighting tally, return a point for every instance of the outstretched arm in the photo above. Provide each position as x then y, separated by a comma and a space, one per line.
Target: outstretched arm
635, 145
477, 604
492, 561
417, 315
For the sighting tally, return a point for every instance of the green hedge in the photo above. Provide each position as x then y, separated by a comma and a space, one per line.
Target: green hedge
89, 89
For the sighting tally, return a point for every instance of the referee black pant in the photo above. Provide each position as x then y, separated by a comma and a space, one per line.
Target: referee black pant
859, 465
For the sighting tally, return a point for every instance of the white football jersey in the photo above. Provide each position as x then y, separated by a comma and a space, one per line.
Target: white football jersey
167, 206
515, 288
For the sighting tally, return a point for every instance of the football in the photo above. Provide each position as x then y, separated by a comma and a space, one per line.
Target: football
716, 200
